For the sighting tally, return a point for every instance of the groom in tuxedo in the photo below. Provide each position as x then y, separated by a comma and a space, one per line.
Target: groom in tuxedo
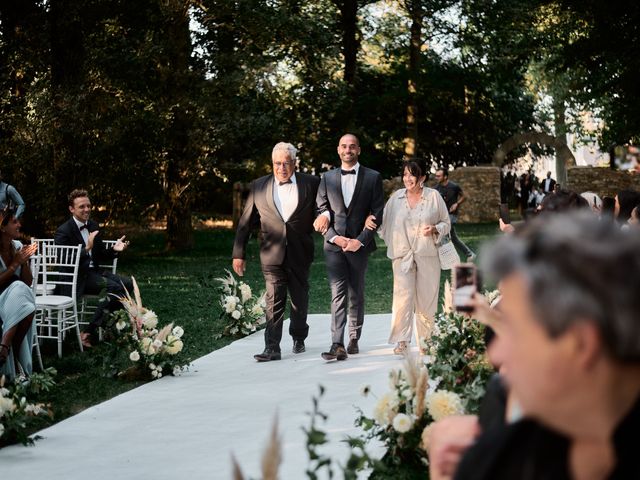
283, 205
346, 197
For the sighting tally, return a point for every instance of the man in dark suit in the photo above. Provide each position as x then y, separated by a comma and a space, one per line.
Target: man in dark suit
346, 197
92, 279
283, 205
548, 184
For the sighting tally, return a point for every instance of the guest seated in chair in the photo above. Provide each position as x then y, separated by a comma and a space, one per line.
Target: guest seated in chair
92, 279
17, 303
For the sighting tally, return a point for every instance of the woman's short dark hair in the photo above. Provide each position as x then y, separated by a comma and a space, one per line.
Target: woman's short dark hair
416, 166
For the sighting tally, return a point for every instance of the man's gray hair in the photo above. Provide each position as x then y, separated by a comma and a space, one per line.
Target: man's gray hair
577, 268
287, 147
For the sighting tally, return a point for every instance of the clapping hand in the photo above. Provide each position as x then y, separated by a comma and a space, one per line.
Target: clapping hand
120, 244
92, 237
23, 255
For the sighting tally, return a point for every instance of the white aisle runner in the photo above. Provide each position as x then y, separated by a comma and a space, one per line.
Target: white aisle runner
187, 427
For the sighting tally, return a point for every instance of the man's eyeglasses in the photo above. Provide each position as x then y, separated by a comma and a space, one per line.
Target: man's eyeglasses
282, 164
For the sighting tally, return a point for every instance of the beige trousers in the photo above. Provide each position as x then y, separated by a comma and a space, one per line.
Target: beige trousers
415, 295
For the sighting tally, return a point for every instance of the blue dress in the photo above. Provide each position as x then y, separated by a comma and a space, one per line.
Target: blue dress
17, 302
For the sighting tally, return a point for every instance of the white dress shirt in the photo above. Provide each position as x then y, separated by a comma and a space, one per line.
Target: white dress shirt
85, 235
285, 197
348, 183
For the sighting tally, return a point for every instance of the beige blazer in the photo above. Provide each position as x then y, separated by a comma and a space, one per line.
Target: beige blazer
401, 225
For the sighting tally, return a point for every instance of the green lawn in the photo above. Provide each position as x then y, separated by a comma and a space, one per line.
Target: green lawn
180, 288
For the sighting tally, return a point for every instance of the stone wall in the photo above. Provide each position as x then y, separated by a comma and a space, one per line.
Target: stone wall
601, 180
481, 187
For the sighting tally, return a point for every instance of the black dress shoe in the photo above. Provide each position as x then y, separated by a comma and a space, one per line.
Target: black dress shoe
298, 346
336, 352
267, 355
352, 349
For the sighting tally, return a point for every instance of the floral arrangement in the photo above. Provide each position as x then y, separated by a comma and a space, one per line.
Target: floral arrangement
456, 357
242, 311
402, 416
152, 352
17, 412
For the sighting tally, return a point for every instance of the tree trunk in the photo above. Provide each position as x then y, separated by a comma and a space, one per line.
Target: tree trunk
350, 41
560, 127
180, 153
416, 11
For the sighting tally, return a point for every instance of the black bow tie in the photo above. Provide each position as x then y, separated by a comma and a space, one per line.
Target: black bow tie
348, 172
82, 227
284, 183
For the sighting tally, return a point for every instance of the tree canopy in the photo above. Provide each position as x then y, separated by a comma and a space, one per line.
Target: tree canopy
157, 107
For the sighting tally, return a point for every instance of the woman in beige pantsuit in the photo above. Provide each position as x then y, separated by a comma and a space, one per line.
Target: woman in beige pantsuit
414, 220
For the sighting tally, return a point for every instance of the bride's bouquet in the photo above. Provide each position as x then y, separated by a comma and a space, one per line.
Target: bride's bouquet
242, 311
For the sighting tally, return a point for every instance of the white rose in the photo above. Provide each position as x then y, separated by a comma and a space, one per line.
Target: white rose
146, 346
236, 314
134, 356
257, 310
177, 332
150, 319
443, 403
229, 307
6, 405
402, 423
120, 324
157, 344
174, 345
383, 412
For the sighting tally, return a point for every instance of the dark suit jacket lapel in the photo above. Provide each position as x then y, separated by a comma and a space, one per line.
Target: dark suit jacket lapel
76, 231
356, 191
269, 191
338, 181
301, 185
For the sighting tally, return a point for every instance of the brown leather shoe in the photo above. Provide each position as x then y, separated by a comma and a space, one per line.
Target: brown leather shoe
353, 348
336, 352
85, 338
267, 356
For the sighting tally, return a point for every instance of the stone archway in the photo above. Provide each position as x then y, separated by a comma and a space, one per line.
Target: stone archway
564, 157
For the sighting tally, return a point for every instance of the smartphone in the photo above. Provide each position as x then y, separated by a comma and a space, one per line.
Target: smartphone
504, 213
465, 284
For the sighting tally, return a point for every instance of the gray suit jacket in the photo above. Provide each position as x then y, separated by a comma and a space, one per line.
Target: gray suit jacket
293, 237
367, 199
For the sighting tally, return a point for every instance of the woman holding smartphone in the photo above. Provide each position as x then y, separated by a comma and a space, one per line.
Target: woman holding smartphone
414, 220
17, 303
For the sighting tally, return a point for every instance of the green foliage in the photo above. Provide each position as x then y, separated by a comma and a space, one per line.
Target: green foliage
457, 358
18, 410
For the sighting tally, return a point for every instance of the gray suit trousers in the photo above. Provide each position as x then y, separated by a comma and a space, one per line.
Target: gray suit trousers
346, 277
